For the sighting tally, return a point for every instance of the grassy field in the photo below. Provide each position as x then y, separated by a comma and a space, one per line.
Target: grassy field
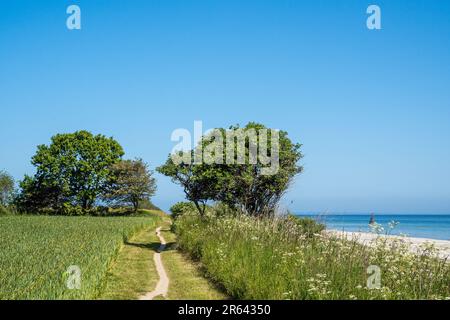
36, 252
272, 259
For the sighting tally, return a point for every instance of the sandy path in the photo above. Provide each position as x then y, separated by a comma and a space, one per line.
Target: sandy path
367, 239
163, 283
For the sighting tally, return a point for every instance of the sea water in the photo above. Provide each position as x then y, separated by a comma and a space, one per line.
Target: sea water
433, 226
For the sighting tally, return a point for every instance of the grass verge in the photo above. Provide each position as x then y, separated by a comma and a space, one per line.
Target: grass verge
187, 281
273, 259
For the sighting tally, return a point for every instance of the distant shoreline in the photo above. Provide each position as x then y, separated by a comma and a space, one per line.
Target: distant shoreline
418, 226
365, 214
367, 238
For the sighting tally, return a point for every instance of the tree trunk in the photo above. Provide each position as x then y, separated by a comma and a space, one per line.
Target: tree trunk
198, 208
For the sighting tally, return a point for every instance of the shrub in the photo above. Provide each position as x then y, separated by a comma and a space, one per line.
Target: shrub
148, 205
180, 208
308, 226
3, 210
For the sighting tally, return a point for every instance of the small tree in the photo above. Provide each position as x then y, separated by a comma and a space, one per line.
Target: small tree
131, 183
6, 188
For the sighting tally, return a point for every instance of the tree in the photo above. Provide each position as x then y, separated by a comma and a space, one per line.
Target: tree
37, 194
198, 185
255, 187
232, 173
131, 183
73, 170
6, 188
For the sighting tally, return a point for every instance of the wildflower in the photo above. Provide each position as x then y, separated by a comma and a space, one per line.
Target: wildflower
392, 224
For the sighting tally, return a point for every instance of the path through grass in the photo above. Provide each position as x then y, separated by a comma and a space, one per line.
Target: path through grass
133, 273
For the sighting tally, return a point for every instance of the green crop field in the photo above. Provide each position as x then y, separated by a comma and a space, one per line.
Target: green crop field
36, 252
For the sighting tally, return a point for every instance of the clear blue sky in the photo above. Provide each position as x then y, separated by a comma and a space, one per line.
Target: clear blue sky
372, 108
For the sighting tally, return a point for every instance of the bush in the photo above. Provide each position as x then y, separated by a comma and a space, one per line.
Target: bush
3, 211
71, 210
148, 205
308, 226
181, 208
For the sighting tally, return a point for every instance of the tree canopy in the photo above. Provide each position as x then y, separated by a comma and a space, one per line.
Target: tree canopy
74, 170
131, 183
198, 185
247, 168
6, 188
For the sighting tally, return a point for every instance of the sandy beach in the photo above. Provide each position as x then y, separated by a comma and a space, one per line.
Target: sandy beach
415, 243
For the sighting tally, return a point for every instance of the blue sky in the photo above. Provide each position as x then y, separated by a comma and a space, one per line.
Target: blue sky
372, 108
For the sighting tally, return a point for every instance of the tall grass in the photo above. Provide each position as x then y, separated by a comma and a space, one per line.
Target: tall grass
36, 251
273, 259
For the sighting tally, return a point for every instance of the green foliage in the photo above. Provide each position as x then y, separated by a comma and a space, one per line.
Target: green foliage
243, 186
180, 208
262, 258
6, 188
4, 211
131, 183
37, 251
308, 226
74, 170
148, 205
198, 187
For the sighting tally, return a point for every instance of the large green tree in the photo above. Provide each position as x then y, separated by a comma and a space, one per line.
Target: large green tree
73, 170
6, 188
265, 161
131, 183
247, 168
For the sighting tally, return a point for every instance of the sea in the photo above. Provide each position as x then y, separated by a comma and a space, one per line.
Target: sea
432, 226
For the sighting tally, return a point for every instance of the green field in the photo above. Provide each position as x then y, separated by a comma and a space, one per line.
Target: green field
36, 251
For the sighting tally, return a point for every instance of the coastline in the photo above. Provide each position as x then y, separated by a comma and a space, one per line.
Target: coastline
366, 238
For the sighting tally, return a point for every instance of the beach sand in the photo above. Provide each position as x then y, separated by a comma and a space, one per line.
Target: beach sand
368, 238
